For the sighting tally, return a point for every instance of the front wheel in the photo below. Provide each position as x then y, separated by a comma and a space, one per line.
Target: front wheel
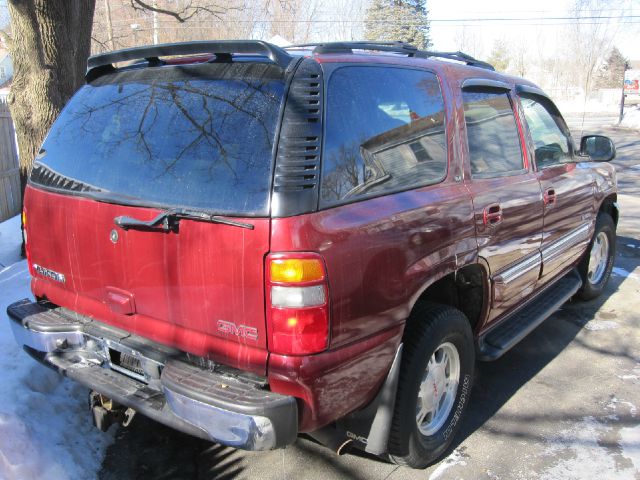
434, 386
595, 268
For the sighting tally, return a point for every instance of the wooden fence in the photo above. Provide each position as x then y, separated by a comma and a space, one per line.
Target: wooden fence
9, 174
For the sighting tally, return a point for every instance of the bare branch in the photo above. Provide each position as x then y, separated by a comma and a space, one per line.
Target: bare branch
188, 12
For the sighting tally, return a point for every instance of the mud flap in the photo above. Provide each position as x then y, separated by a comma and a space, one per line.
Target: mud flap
366, 429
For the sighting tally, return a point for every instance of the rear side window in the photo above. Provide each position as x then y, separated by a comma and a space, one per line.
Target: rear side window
552, 145
384, 132
494, 143
193, 136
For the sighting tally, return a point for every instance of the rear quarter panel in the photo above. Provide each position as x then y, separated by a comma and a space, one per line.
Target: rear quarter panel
380, 255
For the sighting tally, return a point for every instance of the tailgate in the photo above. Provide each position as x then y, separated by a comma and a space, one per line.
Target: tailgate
199, 289
137, 142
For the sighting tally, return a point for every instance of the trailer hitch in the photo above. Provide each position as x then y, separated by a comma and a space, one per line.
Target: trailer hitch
106, 412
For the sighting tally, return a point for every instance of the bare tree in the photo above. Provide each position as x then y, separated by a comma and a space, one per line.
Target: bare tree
349, 24
519, 57
468, 41
184, 11
590, 41
283, 15
127, 23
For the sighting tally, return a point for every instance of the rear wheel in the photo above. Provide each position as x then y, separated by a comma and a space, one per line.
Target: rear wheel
435, 384
595, 268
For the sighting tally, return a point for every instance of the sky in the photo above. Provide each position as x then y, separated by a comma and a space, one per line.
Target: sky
479, 23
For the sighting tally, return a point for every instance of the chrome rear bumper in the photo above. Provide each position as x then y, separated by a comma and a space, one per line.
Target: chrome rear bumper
163, 386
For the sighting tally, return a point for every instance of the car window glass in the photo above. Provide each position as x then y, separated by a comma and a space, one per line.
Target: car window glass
192, 136
494, 143
550, 142
384, 132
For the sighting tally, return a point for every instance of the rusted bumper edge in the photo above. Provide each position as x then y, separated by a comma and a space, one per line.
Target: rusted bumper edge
155, 380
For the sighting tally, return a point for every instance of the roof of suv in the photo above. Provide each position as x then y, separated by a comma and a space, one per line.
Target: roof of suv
456, 64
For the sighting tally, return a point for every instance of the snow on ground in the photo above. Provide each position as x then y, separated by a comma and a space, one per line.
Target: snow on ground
631, 118
455, 458
582, 451
45, 427
10, 241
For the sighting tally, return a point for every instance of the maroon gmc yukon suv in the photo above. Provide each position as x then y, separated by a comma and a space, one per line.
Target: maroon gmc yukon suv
246, 242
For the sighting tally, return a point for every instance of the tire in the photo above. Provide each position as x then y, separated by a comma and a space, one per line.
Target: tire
432, 331
595, 276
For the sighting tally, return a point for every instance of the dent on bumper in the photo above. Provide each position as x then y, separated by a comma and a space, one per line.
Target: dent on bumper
67, 346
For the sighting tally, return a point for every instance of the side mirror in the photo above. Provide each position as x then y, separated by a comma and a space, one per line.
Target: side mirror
598, 147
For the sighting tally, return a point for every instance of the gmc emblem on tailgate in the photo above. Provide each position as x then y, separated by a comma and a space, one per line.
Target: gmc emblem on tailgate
243, 331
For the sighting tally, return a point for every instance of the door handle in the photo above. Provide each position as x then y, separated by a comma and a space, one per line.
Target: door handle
492, 215
549, 197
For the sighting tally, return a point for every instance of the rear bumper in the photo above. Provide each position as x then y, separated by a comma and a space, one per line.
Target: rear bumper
205, 402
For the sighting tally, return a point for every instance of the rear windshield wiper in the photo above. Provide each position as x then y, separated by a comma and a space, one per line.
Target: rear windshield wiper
169, 219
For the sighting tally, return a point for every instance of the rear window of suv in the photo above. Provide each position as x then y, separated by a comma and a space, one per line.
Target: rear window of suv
183, 136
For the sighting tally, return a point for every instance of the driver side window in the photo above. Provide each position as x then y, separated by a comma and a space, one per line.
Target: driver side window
552, 145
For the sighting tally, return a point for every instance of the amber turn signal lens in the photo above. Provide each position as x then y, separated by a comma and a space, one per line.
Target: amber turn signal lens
296, 270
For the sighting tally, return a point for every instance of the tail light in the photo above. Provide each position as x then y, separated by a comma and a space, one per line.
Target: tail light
297, 303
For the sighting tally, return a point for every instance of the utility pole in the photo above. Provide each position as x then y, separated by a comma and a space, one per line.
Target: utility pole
155, 23
107, 9
624, 70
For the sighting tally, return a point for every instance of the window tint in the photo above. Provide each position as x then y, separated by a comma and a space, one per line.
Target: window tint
550, 142
494, 144
384, 133
197, 136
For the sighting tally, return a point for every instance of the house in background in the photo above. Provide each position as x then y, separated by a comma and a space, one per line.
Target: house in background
6, 66
6, 73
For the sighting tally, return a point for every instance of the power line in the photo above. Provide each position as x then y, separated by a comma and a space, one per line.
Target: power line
512, 19
552, 21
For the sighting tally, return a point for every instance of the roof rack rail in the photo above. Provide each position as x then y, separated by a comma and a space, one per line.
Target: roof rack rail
103, 63
348, 47
457, 56
395, 47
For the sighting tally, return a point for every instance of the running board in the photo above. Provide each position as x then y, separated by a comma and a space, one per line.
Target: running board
493, 344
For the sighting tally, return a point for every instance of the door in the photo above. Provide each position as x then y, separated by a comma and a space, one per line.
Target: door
506, 195
569, 210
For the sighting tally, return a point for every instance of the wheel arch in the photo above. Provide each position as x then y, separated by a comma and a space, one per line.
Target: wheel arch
609, 205
466, 289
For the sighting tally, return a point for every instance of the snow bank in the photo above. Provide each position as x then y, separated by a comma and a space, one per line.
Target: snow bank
590, 106
45, 428
631, 118
10, 241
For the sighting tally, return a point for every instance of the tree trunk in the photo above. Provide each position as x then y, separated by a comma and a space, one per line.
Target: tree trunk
50, 42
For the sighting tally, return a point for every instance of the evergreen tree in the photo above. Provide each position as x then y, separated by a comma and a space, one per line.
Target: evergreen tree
611, 72
499, 56
403, 20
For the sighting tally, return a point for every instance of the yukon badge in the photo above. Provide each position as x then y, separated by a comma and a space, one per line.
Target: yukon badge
243, 331
45, 272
